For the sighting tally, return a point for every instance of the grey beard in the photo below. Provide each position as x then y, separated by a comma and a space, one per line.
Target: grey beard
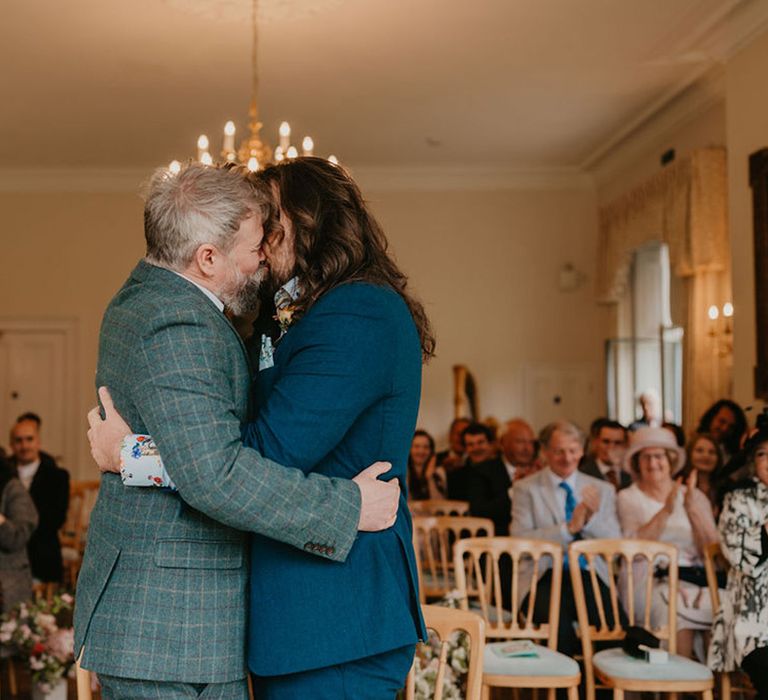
246, 296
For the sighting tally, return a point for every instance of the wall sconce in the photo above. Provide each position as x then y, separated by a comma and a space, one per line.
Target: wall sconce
570, 279
720, 329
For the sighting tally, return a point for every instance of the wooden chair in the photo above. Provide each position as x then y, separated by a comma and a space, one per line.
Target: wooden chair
433, 540
613, 667
479, 558
714, 561
82, 498
438, 506
445, 621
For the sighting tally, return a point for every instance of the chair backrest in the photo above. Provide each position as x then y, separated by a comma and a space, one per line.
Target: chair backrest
714, 561
438, 506
634, 561
477, 566
433, 540
444, 622
82, 498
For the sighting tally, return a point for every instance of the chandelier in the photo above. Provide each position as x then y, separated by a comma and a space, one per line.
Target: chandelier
253, 153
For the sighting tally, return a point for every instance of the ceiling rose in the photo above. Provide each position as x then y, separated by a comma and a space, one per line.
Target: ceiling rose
240, 10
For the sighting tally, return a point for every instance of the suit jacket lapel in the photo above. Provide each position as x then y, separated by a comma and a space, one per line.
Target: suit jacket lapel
550, 497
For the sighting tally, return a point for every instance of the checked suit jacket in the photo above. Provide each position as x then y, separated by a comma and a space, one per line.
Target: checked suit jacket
162, 590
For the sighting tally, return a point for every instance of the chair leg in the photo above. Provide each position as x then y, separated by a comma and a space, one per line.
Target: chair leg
573, 692
673, 696
725, 686
706, 695
486, 692
550, 694
12, 678
618, 694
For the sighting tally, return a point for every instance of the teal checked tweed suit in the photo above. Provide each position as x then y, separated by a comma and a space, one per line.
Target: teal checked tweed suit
162, 590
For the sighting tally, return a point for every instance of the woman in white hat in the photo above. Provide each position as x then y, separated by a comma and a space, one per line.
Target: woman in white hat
659, 507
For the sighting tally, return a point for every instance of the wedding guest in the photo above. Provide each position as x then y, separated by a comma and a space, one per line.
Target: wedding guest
658, 507
650, 407
609, 443
704, 457
518, 449
453, 457
18, 519
48, 485
677, 432
725, 421
425, 478
562, 504
740, 630
484, 480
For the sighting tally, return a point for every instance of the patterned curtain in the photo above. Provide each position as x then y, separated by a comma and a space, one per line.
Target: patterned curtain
684, 206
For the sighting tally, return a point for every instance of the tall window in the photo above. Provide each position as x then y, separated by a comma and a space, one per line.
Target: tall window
647, 354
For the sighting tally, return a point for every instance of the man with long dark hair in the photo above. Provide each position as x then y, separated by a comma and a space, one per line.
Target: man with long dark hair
338, 384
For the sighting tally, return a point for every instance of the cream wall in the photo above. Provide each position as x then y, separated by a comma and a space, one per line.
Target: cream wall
747, 125
486, 265
64, 256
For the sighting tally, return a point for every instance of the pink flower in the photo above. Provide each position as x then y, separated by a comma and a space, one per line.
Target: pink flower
61, 644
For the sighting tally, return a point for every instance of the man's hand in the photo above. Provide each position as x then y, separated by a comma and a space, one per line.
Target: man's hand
585, 509
378, 499
106, 435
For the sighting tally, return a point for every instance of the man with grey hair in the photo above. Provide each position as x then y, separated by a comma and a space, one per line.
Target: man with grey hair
161, 596
562, 504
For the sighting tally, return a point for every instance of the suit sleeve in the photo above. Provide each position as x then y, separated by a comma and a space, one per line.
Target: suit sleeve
185, 399
482, 505
20, 518
340, 366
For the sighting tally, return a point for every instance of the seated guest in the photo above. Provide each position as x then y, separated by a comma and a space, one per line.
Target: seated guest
453, 457
704, 457
609, 443
562, 504
48, 485
18, 519
425, 478
725, 421
677, 432
518, 449
484, 481
740, 630
650, 408
656, 507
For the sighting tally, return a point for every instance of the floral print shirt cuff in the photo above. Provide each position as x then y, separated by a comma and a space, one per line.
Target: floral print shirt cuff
141, 464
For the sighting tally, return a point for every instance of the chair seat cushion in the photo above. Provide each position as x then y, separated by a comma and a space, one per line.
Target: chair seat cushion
547, 663
618, 664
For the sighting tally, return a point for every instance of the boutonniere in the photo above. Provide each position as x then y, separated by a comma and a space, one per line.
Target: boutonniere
284, 317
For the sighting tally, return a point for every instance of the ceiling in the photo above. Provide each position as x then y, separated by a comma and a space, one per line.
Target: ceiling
392, 83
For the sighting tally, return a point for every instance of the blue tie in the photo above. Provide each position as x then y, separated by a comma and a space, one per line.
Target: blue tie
570, 500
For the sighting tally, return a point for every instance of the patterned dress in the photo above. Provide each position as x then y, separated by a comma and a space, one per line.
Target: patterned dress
741, 624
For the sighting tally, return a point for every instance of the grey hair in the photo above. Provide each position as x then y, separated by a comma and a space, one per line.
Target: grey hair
199, 204
561, 426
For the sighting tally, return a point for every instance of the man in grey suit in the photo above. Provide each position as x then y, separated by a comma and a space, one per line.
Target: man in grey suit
160, 610
561, 504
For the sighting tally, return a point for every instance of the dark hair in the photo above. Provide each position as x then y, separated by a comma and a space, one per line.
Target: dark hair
600, 423
337, 239
732, 441
418, 487
424, 433
477, 429
29, 416
456, 421
677, 431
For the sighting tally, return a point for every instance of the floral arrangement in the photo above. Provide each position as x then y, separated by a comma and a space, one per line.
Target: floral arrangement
32, 631
428, 658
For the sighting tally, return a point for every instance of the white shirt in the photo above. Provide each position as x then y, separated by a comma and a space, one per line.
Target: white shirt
27, 473
218, 303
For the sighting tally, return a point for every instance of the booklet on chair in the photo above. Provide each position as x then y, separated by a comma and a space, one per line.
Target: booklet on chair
516, 648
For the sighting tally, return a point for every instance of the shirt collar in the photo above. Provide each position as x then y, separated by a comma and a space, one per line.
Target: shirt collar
288, 293
556, 480
218, 303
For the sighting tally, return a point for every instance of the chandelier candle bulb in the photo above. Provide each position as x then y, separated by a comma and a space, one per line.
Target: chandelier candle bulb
285, 136
307, 146
333, 159
713, 312
206, 158
229, 138
727, 309
292, 152
253, 164
202, 146
278, 154
175, 167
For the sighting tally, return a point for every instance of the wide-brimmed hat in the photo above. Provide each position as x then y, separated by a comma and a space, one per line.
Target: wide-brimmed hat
654, 437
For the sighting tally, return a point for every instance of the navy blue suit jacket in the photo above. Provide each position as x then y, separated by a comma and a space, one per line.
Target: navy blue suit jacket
343, 393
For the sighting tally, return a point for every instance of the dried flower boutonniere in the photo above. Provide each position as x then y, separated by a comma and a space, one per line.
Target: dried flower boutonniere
284, 317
